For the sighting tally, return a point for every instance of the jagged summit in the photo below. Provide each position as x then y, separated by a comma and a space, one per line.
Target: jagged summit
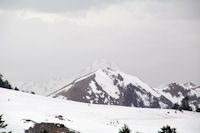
100, 64
190, 85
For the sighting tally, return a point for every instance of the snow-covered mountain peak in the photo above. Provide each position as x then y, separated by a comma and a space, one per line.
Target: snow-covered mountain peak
100, 64
111, 86
126, 79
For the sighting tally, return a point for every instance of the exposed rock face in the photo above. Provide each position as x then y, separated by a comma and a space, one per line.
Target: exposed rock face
134, 96
81, 92
176, 92
49, 128
108, 86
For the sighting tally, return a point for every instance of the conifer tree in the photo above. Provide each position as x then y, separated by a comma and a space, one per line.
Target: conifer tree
185, 104
125, 129
176, 106
2, 123
197, 109
167, 129
4, 84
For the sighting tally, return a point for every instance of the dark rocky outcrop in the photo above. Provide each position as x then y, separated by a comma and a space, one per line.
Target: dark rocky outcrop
175, 90
49, 128
179, 91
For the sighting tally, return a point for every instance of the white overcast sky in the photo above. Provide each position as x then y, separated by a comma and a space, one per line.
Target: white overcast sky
156, 40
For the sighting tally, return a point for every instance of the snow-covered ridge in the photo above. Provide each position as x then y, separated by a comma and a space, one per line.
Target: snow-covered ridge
106, 83
110, 86
176, 92
99, 64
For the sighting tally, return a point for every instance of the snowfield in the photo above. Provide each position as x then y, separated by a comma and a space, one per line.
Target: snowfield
17, 107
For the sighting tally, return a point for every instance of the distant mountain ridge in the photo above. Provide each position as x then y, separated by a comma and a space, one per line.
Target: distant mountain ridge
104, 82
41, 88
176, 92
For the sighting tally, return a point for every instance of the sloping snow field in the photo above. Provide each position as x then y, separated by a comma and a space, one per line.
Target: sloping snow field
89, 118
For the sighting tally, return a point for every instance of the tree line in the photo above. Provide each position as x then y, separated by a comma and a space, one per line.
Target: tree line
6, 84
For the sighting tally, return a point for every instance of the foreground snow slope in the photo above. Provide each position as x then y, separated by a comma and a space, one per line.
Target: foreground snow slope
89, 118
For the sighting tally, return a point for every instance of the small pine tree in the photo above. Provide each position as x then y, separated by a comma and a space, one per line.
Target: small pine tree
32, 92
16, 89
197, 109
4, 84
7, 84
176, 106
185, 104
167, 129
125, 129
1, 80
2, 123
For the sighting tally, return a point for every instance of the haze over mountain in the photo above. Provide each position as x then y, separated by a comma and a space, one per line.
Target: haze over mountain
47, 87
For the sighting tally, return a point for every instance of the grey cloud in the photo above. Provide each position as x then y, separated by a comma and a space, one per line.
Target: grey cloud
54, 5
159, 42
163, 10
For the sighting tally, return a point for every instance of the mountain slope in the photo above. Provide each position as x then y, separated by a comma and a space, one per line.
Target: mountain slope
176, 92
20, 111
108, 86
